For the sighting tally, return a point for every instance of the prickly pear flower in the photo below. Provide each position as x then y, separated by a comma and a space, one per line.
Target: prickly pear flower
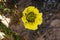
32, 18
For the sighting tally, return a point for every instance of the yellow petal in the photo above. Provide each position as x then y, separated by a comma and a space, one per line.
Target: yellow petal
39, 19
24, 19
31, 26
36, 11
28, 10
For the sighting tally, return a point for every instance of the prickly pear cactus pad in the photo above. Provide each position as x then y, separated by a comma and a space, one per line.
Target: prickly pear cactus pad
29, 19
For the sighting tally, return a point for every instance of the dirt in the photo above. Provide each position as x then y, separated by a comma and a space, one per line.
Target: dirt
50, 28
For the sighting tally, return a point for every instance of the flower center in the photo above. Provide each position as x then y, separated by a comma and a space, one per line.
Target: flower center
31, 17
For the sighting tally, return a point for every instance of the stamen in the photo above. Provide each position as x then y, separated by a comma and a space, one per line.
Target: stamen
30, 17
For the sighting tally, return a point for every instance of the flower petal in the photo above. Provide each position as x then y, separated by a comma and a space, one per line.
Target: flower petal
31, 26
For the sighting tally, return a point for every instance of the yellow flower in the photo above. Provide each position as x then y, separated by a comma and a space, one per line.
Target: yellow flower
31, 18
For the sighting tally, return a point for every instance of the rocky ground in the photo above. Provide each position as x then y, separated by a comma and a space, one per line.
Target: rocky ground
50, 28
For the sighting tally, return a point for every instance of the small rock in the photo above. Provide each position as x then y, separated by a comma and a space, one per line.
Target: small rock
55, 23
